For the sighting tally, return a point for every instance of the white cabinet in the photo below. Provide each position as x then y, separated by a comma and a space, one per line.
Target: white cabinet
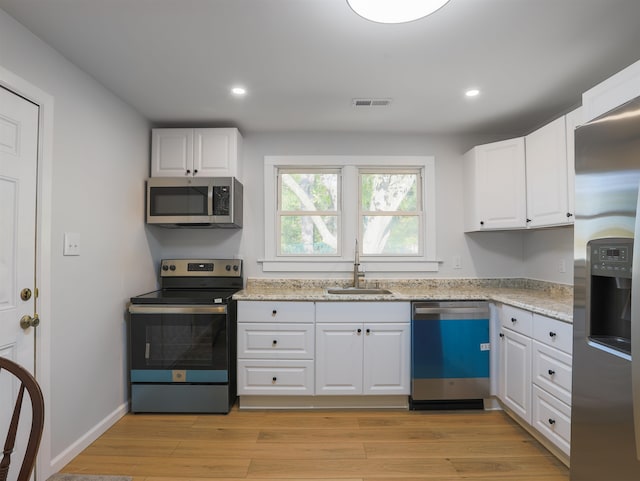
535, 373
572, 120
276, 348
547, 194
514, 384
195, 152
495, 186
613, 92
362, 348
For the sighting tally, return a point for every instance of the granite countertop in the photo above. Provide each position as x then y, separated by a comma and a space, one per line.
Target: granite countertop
548, 299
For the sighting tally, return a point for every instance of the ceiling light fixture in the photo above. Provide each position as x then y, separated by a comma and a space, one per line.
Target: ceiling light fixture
472, 93
395, 11
239, 91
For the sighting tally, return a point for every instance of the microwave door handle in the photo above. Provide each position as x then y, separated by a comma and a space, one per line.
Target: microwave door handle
635, 329
210, 200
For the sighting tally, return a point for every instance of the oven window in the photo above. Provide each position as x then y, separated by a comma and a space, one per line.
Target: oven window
179, 341
179, 200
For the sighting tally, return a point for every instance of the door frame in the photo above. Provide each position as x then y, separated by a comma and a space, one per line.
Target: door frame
43, 249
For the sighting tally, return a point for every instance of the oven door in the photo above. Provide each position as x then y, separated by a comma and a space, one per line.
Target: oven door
177, 200
179, 344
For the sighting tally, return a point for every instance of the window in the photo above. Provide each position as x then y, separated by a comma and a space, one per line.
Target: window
317, 206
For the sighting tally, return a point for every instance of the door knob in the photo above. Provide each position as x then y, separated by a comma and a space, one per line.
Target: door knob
27, 321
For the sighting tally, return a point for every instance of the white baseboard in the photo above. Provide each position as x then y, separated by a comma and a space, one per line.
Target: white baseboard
61, 460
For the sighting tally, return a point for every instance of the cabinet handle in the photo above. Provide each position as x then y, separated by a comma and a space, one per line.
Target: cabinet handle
273, 381
551, 372
275, 341
188, 171
481, 222
552, 334
195, 171
359, 331
273, 313
368, 331
501, 335
514, 320
569, 214
552, 421
528, 220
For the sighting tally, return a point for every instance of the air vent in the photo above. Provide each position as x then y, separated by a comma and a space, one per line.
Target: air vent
371, 102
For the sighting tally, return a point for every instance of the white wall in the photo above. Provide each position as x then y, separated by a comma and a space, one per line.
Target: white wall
547, 252
484, 255
100, 160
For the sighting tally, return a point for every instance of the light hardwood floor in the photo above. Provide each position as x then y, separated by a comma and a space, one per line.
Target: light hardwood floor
320, 445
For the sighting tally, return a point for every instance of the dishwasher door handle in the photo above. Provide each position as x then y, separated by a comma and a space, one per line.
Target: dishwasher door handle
449, 310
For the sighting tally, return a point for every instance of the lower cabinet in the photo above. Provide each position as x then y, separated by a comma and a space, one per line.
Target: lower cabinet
534, 380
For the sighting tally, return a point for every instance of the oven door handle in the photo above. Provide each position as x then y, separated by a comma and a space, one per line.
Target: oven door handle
169, 309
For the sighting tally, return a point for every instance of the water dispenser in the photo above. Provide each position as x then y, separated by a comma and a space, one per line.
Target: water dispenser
609, 293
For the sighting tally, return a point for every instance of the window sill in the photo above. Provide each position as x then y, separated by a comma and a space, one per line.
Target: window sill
324, 265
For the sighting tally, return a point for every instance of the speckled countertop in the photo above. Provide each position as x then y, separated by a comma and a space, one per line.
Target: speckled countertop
548, 299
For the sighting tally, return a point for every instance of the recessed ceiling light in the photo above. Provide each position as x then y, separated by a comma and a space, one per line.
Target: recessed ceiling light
472, 93
239, 91
395, 11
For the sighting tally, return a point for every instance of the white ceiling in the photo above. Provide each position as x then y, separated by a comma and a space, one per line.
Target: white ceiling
303, 61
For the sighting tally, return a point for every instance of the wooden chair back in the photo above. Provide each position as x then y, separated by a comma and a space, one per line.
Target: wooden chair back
26, 383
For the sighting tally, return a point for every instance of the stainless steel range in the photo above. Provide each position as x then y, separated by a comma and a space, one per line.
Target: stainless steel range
182, 338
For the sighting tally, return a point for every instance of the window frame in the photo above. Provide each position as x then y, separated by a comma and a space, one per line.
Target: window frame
349, 167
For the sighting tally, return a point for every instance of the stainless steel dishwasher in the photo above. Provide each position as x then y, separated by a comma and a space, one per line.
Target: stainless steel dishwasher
449, 354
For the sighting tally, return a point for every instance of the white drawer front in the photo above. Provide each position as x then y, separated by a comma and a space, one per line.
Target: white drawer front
284, 378
363, 312
275, 341
276, 311
553, 332
518, 320
552, 371
552, 418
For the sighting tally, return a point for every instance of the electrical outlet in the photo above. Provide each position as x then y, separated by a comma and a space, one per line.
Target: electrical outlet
456, 262
562, 266
71, 244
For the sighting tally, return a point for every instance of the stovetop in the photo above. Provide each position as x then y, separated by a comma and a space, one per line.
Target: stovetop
185, 296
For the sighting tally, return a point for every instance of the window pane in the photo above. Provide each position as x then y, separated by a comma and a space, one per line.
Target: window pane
389, 192
390, 235
308, 234
309, 191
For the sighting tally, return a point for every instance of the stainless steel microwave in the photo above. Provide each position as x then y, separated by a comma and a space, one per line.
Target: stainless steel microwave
198, 202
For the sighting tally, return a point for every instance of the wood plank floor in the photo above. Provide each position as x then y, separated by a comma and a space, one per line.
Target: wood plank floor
320, 445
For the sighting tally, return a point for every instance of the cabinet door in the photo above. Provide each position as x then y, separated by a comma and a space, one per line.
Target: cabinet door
546, 154
516, 373
501, 191
572, 120
215, 152
387, 363
339, 358
171, 152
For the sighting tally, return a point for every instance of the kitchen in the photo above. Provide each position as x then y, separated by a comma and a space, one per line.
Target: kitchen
99, 152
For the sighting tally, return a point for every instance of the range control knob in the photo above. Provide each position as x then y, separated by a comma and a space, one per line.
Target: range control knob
172, 267
165, 267
227, 267
235, 268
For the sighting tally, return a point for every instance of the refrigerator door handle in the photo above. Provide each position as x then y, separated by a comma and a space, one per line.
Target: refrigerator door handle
635, 329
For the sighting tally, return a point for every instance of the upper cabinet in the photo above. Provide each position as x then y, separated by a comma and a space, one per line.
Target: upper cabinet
523, 182
195, 152
613, 92
547, 188
495, 186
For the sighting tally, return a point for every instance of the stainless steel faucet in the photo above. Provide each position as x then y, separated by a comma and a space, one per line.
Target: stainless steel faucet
357, 274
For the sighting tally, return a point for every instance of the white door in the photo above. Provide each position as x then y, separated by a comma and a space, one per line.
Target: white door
339, 358
517, 373
18, 171
387, 360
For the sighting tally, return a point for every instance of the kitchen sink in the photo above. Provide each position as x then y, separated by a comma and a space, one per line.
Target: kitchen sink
358, 291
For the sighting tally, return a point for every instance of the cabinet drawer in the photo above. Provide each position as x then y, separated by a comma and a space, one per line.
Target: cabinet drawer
284, 378
517, 320
552, 371
363, 312
552, 418
553, 332
275, 341
276, 311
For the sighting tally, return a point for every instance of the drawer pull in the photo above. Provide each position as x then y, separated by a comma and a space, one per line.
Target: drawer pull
552, 334
275, 342
359, 331
551, 372
273, 381
514, 320
501, 335
368, 331
552, 421
273, 313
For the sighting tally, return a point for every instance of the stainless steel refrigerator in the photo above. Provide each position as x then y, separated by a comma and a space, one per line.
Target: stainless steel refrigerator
605, 413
